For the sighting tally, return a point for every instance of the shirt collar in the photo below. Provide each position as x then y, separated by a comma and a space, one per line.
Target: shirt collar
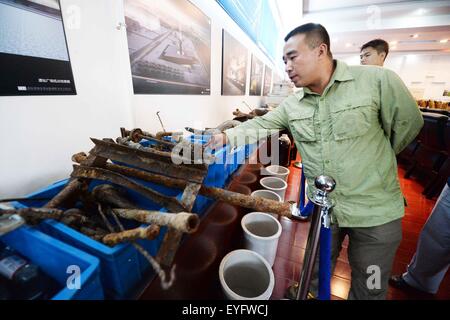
341, 73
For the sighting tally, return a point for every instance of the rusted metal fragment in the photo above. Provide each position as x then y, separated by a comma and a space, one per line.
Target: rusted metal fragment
189, 195
97, 233
102, 174
172, 238
182, 221
34, 216
162, 134
169, 247
67, 194
79, 157
149, 233
74, 218
255, 203
109, 195
150, 160
94, 160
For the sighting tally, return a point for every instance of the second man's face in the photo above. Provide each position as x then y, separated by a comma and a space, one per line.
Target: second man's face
369, 56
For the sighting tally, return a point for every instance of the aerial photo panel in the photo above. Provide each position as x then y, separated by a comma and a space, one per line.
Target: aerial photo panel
169, 44
34, 57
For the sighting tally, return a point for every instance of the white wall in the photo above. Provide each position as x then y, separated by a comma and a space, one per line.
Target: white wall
425, 74
40, 134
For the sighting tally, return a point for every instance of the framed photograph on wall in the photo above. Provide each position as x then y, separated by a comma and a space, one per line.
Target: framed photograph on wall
234, 66
34, 58
267, 81
256, 76
169, 44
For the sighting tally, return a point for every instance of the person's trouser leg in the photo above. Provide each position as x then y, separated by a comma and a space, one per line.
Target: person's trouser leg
337, 236
371, 253
432, 258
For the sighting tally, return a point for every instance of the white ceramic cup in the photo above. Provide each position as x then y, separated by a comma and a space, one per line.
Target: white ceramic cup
274, 184
261, 234
277, 171
266, 194
246, 275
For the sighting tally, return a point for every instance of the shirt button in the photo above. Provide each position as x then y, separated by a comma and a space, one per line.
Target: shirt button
327, 161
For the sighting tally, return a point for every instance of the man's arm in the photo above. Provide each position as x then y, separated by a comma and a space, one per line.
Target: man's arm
257, 128
400, 116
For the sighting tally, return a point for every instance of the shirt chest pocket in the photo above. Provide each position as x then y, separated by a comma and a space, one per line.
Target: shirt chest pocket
354, 119
302, 125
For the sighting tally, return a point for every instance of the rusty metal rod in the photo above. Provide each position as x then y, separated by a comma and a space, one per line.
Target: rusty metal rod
74, 187
109, 195
103, 174
255, 203
34, 216
149, 233
182, 221
148, 160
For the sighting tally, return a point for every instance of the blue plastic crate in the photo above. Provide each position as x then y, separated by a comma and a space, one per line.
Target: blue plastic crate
122, 267
54, 257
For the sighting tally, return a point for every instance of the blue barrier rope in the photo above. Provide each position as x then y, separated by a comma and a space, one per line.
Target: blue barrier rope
325, 264
304, 210
325, 245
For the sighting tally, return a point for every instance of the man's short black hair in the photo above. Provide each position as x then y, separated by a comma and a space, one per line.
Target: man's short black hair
378, 44
315, 35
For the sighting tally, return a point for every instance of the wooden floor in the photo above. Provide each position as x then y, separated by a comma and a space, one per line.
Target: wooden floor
291, 247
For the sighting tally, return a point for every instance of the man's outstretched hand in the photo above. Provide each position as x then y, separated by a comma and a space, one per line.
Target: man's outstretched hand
216, 141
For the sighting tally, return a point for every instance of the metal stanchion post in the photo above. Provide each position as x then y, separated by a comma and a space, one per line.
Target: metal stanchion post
322, 208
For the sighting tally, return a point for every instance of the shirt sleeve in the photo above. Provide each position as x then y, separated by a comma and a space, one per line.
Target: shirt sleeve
400, 116
257, 128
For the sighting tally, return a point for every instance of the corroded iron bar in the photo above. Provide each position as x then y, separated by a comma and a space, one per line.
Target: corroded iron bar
150, 160
102, 174
109, 195
182, 221
34, 216
255, 203
149, 233
72, 189
172, 238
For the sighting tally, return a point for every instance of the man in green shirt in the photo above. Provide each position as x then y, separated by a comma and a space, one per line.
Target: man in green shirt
348, 122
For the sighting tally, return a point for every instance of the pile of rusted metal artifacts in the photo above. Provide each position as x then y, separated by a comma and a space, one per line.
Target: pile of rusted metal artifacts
140, 190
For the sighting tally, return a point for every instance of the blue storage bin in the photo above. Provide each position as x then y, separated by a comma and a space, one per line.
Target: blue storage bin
122, 267
54, 257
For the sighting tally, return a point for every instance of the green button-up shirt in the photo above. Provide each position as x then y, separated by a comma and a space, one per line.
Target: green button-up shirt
351, 132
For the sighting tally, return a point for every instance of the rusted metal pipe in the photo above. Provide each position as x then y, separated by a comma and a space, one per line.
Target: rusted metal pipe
151, 160
72, 189
148, 233
34, 216
182, 221
255, 203
103, 174
109, 195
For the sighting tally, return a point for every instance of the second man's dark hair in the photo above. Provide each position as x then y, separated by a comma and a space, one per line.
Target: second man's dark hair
378, 44
315, 35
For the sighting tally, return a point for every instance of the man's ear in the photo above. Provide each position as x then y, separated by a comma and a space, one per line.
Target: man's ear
383, 55
323, 50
